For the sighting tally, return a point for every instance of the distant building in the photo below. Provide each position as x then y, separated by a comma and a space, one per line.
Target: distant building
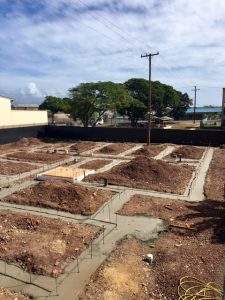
14, 118
25, 107
200, 112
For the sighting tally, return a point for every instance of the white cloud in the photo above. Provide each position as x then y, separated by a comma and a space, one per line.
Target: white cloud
32, 90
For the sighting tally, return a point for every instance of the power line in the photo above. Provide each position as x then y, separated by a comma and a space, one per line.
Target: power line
102, 34
149, 56
99, 18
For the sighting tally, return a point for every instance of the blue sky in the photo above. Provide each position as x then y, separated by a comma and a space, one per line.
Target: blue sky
49, 46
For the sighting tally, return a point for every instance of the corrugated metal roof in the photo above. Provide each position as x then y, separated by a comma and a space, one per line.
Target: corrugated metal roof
205, 110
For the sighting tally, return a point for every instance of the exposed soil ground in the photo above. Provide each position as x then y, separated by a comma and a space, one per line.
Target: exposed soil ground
215, 180
115, 149
64, 196
150, 151
83, 146
21, 144
39, 245
7, 295
12, 168
36, 157
147, 173
189, 152
197, 250
96, 164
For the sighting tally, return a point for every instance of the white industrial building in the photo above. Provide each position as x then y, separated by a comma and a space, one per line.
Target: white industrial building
16, 118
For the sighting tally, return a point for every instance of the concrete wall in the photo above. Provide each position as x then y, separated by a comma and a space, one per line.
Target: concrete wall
13, 118
188, 137
5, 111
26, 117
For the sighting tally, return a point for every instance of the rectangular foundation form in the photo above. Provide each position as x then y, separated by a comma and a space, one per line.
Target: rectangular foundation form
66, 174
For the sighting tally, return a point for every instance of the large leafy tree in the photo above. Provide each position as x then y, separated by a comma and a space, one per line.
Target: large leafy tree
165, 99
136, 108
55, 104
179, 110
91, 100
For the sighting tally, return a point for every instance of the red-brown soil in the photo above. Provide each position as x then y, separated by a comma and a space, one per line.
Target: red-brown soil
150, 151
21, 144
162, 208
27, 142
114, 149
189, 152
215, 180
36, 157
8, 295
12, 168
96, 164
147, 173
64, 196
39, 245
84, 146
196, 251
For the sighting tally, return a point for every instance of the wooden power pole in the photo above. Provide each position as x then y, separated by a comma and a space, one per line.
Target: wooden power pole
150, 55
195, 90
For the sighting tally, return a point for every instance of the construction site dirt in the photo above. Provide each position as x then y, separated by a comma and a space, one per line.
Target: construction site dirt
36, 157
7, 295
195, 247
64, 196
14, 168
114, 149
84, 146
40, 245
96, 164
150, 151
147, 173
188, 152
21, 144
215, 180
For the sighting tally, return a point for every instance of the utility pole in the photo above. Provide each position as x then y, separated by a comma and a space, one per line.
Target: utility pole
195, 90
150, 55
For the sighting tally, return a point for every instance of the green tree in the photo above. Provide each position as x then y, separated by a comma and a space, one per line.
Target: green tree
89, 101
135, 110
179, 110
55, 104
165, 99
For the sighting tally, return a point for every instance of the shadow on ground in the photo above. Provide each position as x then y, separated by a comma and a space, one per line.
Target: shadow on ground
208, 214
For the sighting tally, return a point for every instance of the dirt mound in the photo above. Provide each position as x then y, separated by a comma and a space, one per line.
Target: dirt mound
63, 196
143, 172
189, 152
148, 170
96, 164
83, 146
22, 143
25, 142
150, 151
115, 148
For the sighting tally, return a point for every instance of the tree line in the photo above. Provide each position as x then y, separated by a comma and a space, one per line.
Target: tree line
90, 101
